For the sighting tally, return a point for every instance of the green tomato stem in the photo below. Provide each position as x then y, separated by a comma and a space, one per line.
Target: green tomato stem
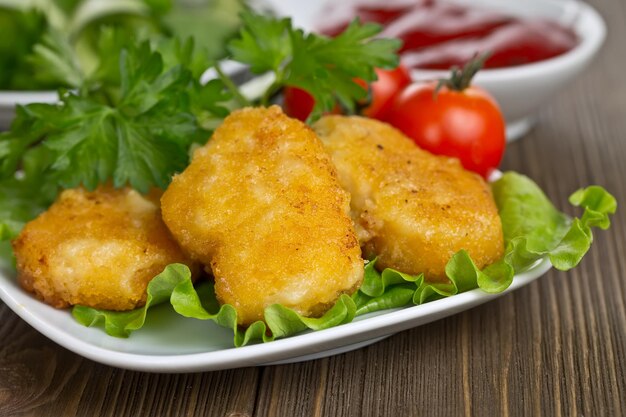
460, 79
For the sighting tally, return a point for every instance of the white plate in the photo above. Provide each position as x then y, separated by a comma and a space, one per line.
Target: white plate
171, 343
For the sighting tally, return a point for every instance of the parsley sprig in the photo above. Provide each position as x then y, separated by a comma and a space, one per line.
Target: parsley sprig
132, 120
325, 67
136, 131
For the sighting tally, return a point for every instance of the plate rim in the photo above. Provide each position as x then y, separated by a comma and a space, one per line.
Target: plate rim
384, 323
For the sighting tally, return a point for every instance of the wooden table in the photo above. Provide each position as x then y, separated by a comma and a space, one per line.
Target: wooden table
556, 347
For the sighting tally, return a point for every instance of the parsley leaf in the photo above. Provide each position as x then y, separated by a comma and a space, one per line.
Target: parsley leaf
133, 119
325, 67
21, 30
263, 42
84, 153
140, 141
134, 130
178, 52
208, 103
17, 206
24, 196
56, 55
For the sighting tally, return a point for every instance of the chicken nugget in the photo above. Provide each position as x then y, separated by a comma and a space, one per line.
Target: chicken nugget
413, 210
98, 249
261, 204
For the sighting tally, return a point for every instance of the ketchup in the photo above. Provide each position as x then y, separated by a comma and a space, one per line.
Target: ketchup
426, 26
517, 43
340, 14
440, 35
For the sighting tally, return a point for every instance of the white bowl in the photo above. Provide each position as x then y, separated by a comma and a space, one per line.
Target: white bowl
520, 90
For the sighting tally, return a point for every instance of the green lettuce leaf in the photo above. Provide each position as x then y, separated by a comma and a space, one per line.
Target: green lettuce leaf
385, 290
533, 229
393, 289
174, 284
122, 323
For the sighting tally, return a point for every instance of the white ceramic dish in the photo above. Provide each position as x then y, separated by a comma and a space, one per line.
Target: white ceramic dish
170, 343
519, 90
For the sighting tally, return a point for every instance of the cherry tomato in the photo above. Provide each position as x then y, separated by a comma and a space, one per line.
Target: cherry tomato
299, 104
465, 124
385, 89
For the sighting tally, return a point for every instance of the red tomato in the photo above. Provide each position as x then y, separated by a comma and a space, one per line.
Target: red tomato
299, 104
388, 85
464, 124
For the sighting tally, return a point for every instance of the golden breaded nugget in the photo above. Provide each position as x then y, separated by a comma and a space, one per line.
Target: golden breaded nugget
413, 210
261, 204
98, 249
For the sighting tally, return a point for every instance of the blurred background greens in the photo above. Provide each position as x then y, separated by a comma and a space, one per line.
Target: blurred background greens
47, 44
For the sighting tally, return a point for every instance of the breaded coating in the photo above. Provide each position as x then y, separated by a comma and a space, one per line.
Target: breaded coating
98, 249
261, 204
412, 209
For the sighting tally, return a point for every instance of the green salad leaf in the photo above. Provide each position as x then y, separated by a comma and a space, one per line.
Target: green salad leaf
393, 289
122, 323
175, 284
533, 229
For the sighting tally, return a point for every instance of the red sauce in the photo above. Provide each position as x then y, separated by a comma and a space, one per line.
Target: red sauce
342, 12
440, 35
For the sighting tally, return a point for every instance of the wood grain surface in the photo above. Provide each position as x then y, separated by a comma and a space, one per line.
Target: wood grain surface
556, 347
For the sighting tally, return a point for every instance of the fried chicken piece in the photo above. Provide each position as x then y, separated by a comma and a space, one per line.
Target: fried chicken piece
261, 204
98, 249
413, 210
